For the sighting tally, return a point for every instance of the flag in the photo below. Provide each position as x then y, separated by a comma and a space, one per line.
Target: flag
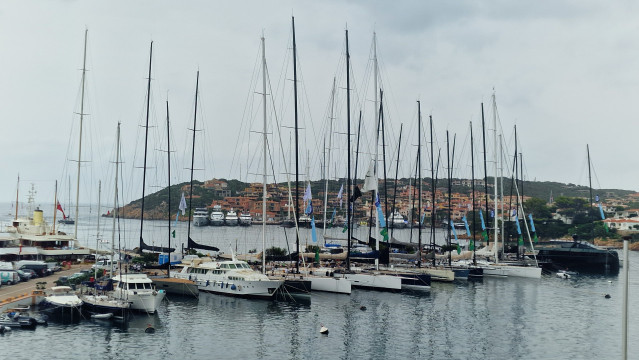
532, 224
345, 228
452, 226
59, 207
492, 213
484, 233
466, 225
332, 218
384, 233
471, 245
603, 217
370, 181
356, 194
313, 233
309, 209
521, 238
307, 193
514, 212
182, 206
339, 194
317, 258
173, 233
380, 214
377, 202
597, 198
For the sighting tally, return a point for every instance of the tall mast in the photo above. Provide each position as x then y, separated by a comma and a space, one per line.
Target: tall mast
17, 192
115, 196
432, 187
264, 139
399, 146
55, 207
472, 174
381, 117
348, 141
450, 215
483, 132
589, 174
77, 191
297, 172
197, 83
328, 161
146, 138
168, 165
377, 121
419, 178
496, 226
97, 233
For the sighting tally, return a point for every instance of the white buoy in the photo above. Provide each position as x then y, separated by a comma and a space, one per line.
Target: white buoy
323, 329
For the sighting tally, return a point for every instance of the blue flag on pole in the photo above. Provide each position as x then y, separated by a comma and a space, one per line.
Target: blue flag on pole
603, 217
518, 227
532, 224
452, 226
481, 217
313, 233
466, 225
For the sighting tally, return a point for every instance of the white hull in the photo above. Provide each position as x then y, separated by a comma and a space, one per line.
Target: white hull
498, 270
144, 302
329, 284
264, 289
217, 222
200, 221
373, 281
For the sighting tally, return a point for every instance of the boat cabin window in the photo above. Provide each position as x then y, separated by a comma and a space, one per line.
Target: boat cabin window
231, 266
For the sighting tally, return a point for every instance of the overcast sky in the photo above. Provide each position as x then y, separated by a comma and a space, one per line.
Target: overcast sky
564, 72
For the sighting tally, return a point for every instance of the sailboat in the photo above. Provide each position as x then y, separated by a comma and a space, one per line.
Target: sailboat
99, 302
579, 255
138, 288
175, 285
496, 268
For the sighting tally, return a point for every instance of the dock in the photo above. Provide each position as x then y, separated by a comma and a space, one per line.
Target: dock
29, 293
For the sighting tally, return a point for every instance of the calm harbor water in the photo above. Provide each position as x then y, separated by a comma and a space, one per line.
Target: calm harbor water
550, 318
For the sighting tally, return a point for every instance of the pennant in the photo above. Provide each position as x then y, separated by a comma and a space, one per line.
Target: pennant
307, 193
182, 206
177, 215
421, 221
173, 233
309, 209
597, 198
521, 238
59, 207
492, 213
317, 258
370, 181
452, 227
471, 245
466, 225
535, 237
532, 223
377, 202
514, 213
384, 233
332, 218
484, 233
356, 194
339, 194
380, 214
603, 217
313, 232
345, 228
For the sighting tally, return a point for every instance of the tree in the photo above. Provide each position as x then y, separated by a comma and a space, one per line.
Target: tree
538, 208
